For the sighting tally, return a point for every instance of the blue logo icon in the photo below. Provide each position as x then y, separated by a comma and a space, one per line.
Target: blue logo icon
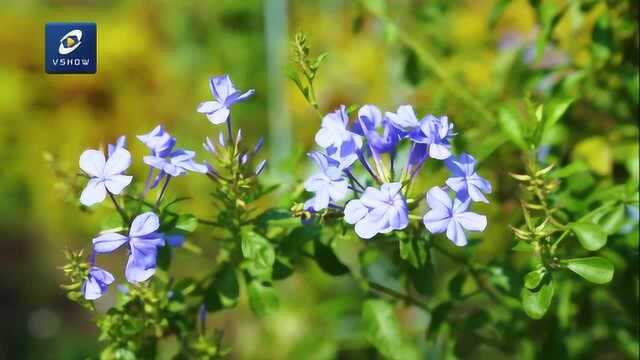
70, 48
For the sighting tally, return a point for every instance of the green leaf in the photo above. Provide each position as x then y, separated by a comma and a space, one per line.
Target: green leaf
591, 236
223, 292
383, 331
613, 220
456, 284
414, 251
262, 299
327, 260
523, 246
536, 302
187, 223
511, 126
595, 269
533, 279
439, 315
257, 248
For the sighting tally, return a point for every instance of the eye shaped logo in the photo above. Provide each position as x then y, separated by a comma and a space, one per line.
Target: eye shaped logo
70, 42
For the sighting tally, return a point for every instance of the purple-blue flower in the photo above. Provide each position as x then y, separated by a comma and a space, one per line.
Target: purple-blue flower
452, 218
327, 184
158, 141
143, 241
97, 283
341, 144
378, 211
465, 181
105, 175
435, 132
176, 163
370, 122
225, 95
121, 142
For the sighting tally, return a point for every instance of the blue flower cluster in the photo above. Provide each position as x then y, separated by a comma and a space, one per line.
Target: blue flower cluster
374, 141
107, 177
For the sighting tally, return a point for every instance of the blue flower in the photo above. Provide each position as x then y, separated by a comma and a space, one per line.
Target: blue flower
370, 122
176, 163
327, 184
451, 217
105, 175
225, 95
465, 181
97, 283
158, 141
378, 211
121, 142
143, 240
435, 132
341, 144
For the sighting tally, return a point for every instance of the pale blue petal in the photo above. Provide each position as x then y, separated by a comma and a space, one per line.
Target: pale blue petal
93, 193
144, 224
118, 162
92, 162
108, 242
115, 184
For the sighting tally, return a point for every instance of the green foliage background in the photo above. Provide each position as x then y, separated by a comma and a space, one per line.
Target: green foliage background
442, 56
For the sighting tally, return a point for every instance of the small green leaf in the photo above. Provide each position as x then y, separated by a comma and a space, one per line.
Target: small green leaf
523, 247
383, 331
613, 220
257, 248
187, 223
328, 261
223, 292
532, 279
536, 302
510, 123
262, 299
414, 251
595, 269
591, 236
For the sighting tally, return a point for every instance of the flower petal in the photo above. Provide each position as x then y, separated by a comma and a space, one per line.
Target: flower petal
144, 224
208, 107
118, 162
355, 211
436, 220
115, 184
438, 199
456, 234
108, 242
93, 193
439, 151
471, 221
92, 162
219, 116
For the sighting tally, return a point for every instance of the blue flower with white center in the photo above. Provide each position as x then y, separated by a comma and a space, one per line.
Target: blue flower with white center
328, 184
465, 181
225, 95
143, 241
341, 144
97, 283
451, 217
105, 175
378, 211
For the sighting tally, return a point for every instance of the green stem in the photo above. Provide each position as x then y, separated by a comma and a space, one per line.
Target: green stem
475, 274
123, 215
